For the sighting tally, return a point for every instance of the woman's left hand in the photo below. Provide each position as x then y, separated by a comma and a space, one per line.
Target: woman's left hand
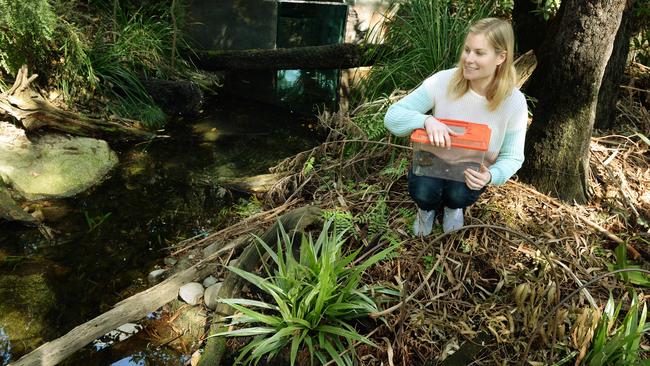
476, 180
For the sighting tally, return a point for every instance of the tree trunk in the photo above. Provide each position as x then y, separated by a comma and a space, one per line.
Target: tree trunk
34, 112
571, 64
608, 94
332, 56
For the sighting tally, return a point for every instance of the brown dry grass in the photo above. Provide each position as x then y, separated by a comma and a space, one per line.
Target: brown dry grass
521, 253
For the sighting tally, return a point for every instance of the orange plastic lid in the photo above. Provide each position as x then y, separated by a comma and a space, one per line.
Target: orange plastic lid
475, 137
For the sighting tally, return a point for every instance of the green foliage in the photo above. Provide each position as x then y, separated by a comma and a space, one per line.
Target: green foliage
138, 46
76, 76
96, 221
620, 346
396, 170
342, 220
245, 208
422, 37
90, 48
372, 124
314, 298
308, 167
26, 34
374, 220
637, 278
547, 8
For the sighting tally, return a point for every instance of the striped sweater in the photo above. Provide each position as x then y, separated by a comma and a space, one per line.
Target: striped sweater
508, 121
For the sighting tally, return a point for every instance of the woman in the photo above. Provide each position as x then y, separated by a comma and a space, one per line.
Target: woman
481, 90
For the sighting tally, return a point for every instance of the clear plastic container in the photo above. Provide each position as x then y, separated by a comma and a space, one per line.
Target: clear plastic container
467, 151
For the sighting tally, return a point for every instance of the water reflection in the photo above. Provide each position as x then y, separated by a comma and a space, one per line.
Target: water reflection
112, 236
151, 358
5, 347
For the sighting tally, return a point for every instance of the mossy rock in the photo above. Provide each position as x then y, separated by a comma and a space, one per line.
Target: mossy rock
52, 165
24, 319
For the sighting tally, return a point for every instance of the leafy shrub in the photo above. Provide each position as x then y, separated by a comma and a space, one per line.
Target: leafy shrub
421, 37
26, 34
618, 346
314, 298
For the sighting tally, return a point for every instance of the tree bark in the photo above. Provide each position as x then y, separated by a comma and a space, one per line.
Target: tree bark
571, 64
34, 112
332, 56
608, 94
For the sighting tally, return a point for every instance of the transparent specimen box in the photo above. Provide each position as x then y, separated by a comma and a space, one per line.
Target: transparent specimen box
467, 151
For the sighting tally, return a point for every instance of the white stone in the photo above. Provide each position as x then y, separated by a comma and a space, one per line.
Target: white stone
209, 281
156, 276
191, 292
211, 296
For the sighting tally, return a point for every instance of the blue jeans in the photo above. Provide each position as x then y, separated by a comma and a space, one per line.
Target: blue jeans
435, 193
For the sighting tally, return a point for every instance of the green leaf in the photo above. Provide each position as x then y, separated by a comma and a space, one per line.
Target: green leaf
267, 248
247, 302
353, 335
262, 318
295, 345
245, 332
327, 346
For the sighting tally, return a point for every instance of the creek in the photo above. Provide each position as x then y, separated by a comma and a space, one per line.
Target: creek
108, 239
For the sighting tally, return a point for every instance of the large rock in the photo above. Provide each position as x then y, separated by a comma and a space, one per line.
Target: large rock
25, 311
52, 165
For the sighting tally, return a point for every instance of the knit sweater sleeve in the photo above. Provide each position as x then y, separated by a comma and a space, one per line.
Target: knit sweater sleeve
409, 113
511, 154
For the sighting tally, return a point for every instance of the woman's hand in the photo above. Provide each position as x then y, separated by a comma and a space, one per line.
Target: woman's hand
438, 132
476, 180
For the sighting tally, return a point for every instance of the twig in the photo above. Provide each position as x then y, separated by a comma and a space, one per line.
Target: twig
635, 89
634, 253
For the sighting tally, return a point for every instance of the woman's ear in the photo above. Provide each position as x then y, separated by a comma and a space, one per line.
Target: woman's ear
501, 58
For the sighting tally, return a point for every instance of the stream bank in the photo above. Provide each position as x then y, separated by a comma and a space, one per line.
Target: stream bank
108, 239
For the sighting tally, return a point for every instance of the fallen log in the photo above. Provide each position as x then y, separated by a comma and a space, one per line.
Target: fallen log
331, 56
34, 112
292, 221
131, 309
253, 185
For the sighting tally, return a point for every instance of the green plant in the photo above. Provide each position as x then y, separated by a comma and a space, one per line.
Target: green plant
26, 34
547, 8
342, 220
637, 278
97, 221
247, 207
376, 221
620, 346
138, 46
421, 37
398, 169
314, 298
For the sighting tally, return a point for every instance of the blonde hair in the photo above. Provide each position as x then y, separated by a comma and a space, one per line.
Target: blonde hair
500, 36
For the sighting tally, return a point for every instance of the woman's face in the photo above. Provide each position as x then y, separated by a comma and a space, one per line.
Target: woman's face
479, 59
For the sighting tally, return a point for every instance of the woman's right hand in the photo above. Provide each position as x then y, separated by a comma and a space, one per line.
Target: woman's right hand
438, 132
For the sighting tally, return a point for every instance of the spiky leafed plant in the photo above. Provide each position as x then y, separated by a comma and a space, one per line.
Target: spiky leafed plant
314, 299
